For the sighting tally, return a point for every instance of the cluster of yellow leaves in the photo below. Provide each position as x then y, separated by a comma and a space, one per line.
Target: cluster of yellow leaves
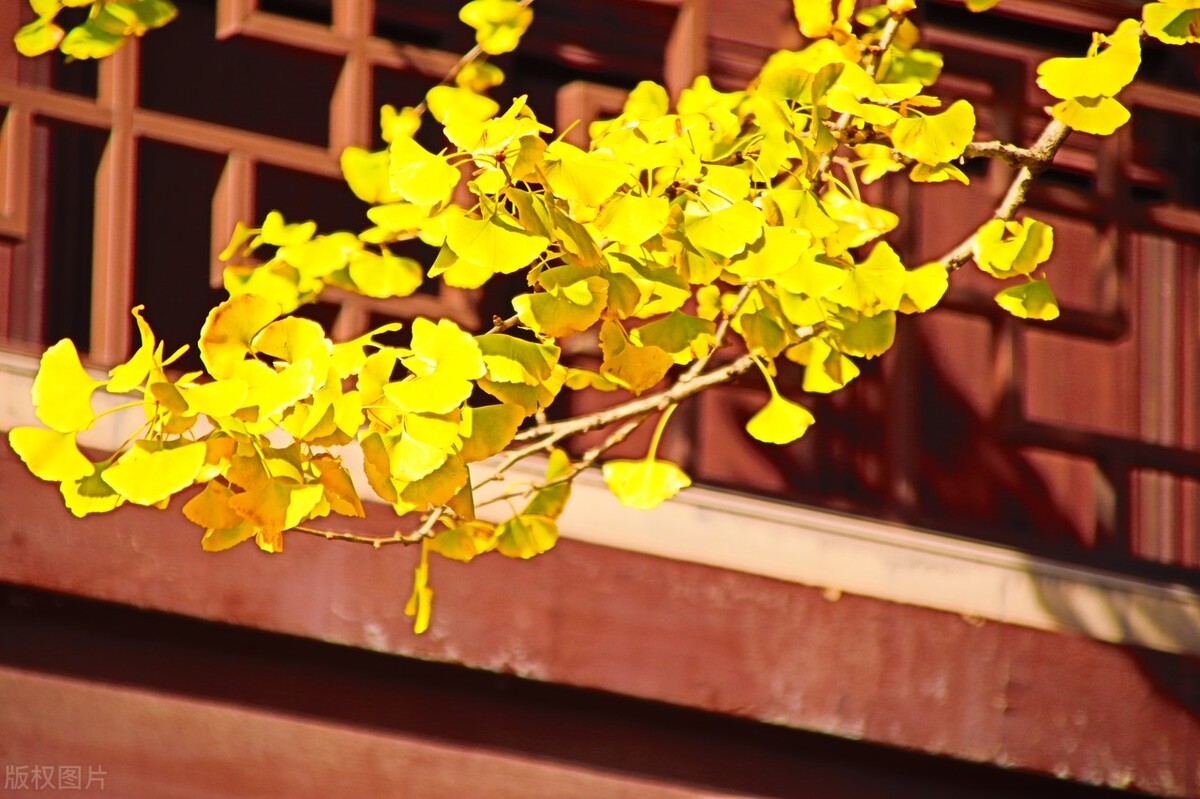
109, 25
729, 214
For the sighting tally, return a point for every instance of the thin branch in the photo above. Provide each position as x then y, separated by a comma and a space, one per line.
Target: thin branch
1041, 155
616, 437
500, 325
1009, 153
719, 336
398, 537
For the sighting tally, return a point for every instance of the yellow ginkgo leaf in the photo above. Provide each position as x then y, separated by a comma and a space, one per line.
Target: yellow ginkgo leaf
1097, 115
211, 509
90, 494
62, 389
683, 336
277, 505
778, 250
417, 175
149, 473
493, 243
815, 17
1006, 249
1176, 22
509, 359
228, 330
1032, 300
630, 220
49, 454
646, 483
636, 368
725, 232
453, 104
39, 36
498, 24
780, 421
464, 541
524, 536
1099, 74
366, 173
924, 288
488, 430
935, 138
420, 602
339, 486
125, 376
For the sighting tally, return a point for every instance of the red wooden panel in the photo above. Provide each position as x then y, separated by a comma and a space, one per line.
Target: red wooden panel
645, 627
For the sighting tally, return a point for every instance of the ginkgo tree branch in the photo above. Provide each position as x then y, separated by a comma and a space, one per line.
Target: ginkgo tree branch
1039, 158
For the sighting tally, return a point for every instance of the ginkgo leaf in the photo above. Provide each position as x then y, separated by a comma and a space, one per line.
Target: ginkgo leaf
1032, 300
778, 250
573, 301
280, 233
1176, 22
648, 100
438, 487
125, 376
551, 499
509, 359
417, 175
588, 178
814, 276
1097, 115
271, 392
90, 40
230, 328
981, 5
432, 393
444, 348
488, 430
420, 602
493, 243
384, 275
630, 220
452, 104
858, 222
935, 138
49, 454
867, 336
877, 161
39, 36
366, 173
683, 336
725, 232
277, 505
815, 17
62, 390
646, 483
924, 287
875, 285
1005, 249
1101, 74
465, 540
937, 173
479, 75
294, 340
524, 536
780, 421
147, 474
339, 486
498, 24
90, 494
826, 369
636, 368
211, 509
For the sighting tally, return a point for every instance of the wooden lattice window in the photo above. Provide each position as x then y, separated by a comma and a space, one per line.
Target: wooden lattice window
123, 179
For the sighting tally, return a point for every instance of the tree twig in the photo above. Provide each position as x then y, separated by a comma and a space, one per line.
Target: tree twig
1041, 154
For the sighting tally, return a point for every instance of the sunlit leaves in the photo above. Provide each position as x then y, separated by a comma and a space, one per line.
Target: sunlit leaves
588, 178
39, 36
1005, 249
1086, 86
1031, 300
62, 390
644, 484
498, 24
107, 26
1173, 21
488, 430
